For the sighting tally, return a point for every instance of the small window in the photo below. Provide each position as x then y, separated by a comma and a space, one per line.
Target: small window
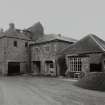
47, 48
15, 43
26, 44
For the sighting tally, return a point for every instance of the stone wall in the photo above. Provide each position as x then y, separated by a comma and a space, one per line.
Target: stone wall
39, 52
3, 67
2, 49
10, 53
19, 53
62, 45
84, 69
103, 62
94, 58
47, 51
85, 65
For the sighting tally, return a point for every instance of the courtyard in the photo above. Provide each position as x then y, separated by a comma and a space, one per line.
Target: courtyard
27, 90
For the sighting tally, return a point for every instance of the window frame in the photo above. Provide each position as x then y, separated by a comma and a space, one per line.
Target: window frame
75, 64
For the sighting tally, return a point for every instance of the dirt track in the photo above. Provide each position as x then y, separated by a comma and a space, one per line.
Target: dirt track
45, 91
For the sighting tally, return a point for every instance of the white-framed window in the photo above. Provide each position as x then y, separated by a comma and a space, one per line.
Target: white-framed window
75, 64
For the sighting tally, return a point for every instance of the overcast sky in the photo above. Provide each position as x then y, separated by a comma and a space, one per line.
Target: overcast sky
73, 18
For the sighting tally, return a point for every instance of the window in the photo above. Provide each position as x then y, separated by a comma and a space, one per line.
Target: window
75, 64
26, 44
15, 43
47, 48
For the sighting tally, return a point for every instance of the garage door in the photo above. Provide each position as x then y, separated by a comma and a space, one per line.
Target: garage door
13, 68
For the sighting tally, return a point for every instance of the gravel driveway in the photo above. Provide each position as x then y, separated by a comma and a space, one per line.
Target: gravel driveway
45, 91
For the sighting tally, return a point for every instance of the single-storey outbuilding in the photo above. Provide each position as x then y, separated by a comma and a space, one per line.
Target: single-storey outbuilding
84, 56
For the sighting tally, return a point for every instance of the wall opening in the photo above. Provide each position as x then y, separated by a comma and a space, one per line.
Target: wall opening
95, 67
37, 66
49, 67
13, 68
75, 66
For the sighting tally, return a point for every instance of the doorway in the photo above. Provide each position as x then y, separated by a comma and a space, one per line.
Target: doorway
13, 68
37, 66
49, 68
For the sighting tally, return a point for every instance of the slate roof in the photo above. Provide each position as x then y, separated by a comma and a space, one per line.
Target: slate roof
89, 44
52, 37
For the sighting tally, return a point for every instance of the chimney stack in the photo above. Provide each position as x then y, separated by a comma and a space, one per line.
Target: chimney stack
11, 26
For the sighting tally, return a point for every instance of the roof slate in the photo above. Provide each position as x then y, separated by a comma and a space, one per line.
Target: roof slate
89, 44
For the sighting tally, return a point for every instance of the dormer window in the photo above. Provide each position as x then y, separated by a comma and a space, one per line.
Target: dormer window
15, 43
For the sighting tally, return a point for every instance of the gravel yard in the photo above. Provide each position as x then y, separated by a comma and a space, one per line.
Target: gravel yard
45, 91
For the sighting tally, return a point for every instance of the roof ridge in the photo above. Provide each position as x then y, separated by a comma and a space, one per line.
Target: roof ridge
97, 42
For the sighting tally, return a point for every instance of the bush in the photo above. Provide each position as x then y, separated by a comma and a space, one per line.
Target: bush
93, 81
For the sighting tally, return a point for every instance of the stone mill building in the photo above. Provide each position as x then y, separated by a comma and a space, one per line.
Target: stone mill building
30, 50
14, 48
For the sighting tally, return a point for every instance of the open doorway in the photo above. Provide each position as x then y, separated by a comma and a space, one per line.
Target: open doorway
13, 68
49, 67
96, 67
37, 66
